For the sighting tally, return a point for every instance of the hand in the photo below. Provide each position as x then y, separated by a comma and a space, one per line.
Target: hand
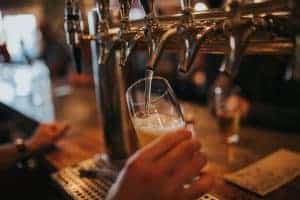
239, 104
45, 136
160, 170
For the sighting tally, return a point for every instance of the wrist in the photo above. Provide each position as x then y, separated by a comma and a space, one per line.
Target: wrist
22, 150
31, 149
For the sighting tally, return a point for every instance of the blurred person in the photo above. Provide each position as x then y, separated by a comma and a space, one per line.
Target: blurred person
44, 136
162, 169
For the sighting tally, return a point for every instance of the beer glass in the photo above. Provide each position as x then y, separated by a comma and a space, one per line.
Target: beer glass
228, 115
154, 109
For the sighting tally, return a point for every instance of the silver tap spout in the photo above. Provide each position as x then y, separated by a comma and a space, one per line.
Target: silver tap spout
152, 28
128, 42
239, 32
130, 48
124, 33
238, 41
184, 28
160, 47
192, 50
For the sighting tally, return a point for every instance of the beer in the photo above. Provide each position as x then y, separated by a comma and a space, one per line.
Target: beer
229, 125
152, 125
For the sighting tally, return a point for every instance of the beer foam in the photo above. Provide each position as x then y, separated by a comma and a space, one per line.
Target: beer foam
157, 123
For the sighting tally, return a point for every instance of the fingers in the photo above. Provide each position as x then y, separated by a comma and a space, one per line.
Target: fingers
61, 127
162, 145
180, 154
199, 187
58, 129
186, 171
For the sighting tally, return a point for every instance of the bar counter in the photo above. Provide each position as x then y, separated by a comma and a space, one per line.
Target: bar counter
84, 140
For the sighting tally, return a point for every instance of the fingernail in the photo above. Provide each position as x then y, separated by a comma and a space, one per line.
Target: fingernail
190, 128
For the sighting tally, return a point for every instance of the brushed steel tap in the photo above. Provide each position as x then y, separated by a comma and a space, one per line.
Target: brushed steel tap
197, 41
152, 29
238, 32
110, 86
184, 28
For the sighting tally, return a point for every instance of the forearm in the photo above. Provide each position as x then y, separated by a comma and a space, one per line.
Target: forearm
8, 156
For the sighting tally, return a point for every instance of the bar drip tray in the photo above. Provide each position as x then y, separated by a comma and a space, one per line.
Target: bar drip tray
86, 180
91, 180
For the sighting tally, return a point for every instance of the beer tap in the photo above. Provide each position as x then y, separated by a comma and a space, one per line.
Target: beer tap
185, 28
198, 39
113, 45
152, 29
110, 82
73, 29
127, 37
103, 37
238, 32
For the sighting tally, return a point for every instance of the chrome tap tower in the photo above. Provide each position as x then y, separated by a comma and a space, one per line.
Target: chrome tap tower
237, 29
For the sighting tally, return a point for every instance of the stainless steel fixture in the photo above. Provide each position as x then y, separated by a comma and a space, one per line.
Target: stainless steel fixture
236, 29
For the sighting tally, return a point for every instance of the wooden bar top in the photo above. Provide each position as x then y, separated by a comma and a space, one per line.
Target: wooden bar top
85, 140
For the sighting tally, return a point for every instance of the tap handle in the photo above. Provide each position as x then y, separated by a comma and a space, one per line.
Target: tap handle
103, 9
186, 4
148, 6
239, 36
73, 30
69, 21
73, 24
125, 6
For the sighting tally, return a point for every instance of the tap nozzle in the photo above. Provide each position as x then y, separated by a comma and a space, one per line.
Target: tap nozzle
193, 46
160, 47
239, 32
152, 28
239, 36
73, 30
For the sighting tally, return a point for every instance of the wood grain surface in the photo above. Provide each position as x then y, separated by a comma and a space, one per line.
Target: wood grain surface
85, 140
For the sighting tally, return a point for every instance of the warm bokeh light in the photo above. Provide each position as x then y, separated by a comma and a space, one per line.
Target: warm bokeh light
200, 6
